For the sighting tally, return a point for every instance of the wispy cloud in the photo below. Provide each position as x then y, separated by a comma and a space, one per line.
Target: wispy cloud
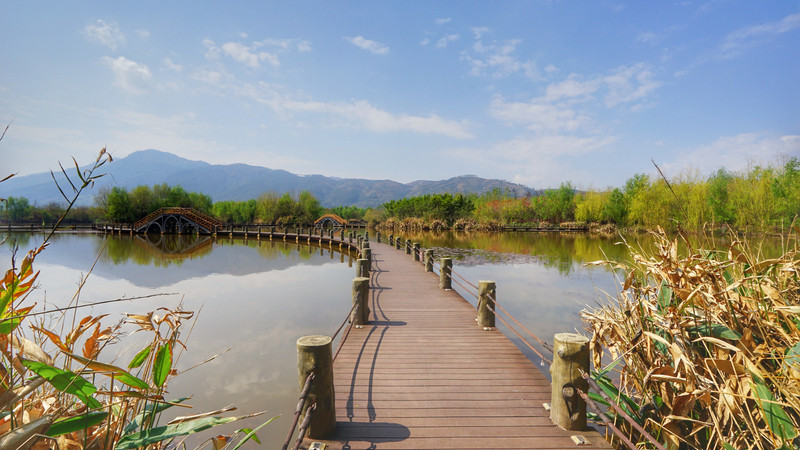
369, 45
129, 75
496, 58
743, 39
356, 114
443, 42
254, 53
736, 153
442, 21
104, 33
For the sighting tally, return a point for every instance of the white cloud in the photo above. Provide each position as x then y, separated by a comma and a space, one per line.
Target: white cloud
425, 42
353, 114
254, 53
171, 65
629, 84
539, 115
737, 152
497, 58
442, 43
647, 37
129, 75
247, 56
144, 34
366, 44
571, 104
441, 22
742, 39
104, 33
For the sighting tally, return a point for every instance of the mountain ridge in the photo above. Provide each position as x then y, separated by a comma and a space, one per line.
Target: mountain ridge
241, 181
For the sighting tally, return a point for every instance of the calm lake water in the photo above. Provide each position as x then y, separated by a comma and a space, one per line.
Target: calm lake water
254, 299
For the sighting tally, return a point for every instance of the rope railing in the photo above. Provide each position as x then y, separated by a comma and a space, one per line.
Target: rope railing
450, 275
544, 344
299, 410
619, 411
538, 353
347, 333
301, 433
346, 319
606, 420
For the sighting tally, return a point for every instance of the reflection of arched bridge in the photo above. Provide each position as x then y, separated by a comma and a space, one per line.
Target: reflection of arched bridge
330, 220
177, 220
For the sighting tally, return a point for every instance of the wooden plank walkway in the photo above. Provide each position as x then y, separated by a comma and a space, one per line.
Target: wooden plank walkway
423, 375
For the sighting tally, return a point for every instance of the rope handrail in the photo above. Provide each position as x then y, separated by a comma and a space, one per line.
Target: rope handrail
449, 275
606, 420
620, 411
465, 280
300, 404
301, 434
544, 344
538, 353
346, 333
349, 315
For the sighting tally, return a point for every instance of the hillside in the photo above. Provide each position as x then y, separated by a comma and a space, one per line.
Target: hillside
243, 182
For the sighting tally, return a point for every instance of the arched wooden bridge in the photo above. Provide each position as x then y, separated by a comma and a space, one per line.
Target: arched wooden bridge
331, 220
177, 220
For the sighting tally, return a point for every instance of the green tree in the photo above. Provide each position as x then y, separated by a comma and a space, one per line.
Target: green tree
718, 186
18, 208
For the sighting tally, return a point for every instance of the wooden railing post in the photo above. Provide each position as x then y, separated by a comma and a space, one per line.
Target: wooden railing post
570, 356
444, 276
367, 254
408, 246
362, 268
486, 292
314, 355
398, 243
361, 297
391, 239
429, 260
416, 251
378, 237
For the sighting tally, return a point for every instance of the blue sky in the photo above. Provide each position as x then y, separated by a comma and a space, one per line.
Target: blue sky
535, 92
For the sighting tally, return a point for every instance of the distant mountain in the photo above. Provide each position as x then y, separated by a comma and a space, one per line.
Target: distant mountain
243, 182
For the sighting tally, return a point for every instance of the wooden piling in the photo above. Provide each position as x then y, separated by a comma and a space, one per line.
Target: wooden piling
408, 246
486, 292
429, 260
361, 297
570, 356
445, 282
416, 251
362, 268
314, 355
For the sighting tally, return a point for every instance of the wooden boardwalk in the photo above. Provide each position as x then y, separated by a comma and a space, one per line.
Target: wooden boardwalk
423, 375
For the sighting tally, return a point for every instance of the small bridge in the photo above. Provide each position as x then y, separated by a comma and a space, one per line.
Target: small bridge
330, 220
177, 220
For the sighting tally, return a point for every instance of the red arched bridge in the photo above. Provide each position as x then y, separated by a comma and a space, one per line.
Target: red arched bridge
177, 220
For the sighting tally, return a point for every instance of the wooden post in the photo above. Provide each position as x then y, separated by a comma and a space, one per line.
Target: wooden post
570, 353
360, 315
444, 276
378, 237
366, 236
314, 355
408, 246
429, 260
416, 251
398, 243
362, 268
486, 292
391, 239
367, 254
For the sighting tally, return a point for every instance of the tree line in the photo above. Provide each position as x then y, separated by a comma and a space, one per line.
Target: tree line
760, 198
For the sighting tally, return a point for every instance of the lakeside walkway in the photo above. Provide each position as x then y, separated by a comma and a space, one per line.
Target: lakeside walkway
423, 375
